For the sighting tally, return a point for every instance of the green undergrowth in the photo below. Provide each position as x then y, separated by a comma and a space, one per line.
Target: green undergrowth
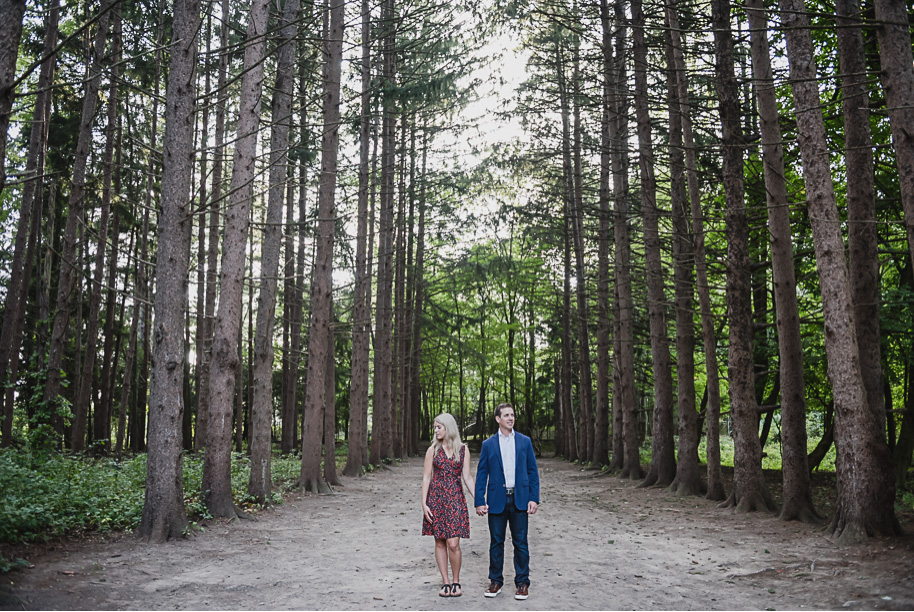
54, 495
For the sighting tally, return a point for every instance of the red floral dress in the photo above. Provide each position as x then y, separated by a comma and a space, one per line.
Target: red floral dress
446, 500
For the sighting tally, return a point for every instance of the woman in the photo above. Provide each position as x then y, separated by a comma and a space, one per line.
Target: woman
444, 506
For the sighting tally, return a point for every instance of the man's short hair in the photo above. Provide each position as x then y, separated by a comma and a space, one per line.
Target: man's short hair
501, 407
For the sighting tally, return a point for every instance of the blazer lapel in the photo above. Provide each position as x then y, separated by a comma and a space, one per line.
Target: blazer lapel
516, 456
501, 464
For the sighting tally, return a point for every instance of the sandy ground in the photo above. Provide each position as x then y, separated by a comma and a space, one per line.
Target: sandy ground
597, 543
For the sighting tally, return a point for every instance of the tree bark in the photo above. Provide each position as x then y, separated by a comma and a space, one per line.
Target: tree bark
25, 246
68, 271
865, 488
626, 454
571, 443
895, 56
586, 390
715, 487
862, 238
417, 318
163, 510
749, 491
217, 463
260, 482
83, 397
382, 405
212, 253
797, 493
111, 350
604, 321
662, 469
361, 314
10, 33
330, 473
318, 396
688, 473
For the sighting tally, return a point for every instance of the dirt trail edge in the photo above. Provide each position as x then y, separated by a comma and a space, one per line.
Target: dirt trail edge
597, 543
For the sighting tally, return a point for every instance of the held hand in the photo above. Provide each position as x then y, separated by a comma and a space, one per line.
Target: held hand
482, 510
427, 512
531, 507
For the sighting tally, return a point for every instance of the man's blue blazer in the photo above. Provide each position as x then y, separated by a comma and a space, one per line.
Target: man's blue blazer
490, 475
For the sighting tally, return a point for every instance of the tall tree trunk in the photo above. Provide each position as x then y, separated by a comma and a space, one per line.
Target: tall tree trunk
318, 396
749, 491
84, 393
688, 474
895, 57
163, 510
626, 456
361, 314
604, 322
10, 33
289, 392
260, 482
67, 277
206, 348
382, 405
586, 390
797, 494
217, 464
662, 470
111, 350
130, 357
330, 473
862, 238
397, 352
901, 457
865, 488
410, 445
416, 323
709, 340
204, 205
571, 443
25, 246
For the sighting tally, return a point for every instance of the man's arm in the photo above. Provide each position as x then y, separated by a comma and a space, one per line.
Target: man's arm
533, 477
482, 479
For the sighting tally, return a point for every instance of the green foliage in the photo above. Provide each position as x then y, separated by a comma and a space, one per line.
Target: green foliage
50, 495
905, 502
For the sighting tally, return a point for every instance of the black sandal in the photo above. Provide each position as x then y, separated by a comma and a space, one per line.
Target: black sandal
454, 588
447, 591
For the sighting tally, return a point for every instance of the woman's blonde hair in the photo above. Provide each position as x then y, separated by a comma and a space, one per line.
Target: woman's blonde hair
451, 433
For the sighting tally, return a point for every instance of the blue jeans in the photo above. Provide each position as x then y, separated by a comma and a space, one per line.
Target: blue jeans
498, 524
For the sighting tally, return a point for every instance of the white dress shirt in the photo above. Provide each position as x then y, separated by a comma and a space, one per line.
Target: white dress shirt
508, 456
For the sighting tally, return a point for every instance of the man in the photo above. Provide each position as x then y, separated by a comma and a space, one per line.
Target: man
507, 489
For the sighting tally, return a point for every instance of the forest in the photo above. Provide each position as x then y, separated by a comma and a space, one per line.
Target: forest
249, 247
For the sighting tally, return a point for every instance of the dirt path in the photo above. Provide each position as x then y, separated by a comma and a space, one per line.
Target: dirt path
597, 543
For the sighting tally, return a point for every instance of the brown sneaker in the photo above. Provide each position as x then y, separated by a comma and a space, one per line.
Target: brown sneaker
493, 590
522, 591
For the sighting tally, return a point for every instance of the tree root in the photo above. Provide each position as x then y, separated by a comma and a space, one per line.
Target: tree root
716, 493
688, 487
756, 502
632, 472
167, 526
801, 510
653, 480
241, 514
354, 472
847, 532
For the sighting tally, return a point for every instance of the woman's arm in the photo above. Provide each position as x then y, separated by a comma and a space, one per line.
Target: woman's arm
467, 475
426, 480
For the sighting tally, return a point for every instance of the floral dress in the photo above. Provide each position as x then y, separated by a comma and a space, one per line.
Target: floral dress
446, 500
